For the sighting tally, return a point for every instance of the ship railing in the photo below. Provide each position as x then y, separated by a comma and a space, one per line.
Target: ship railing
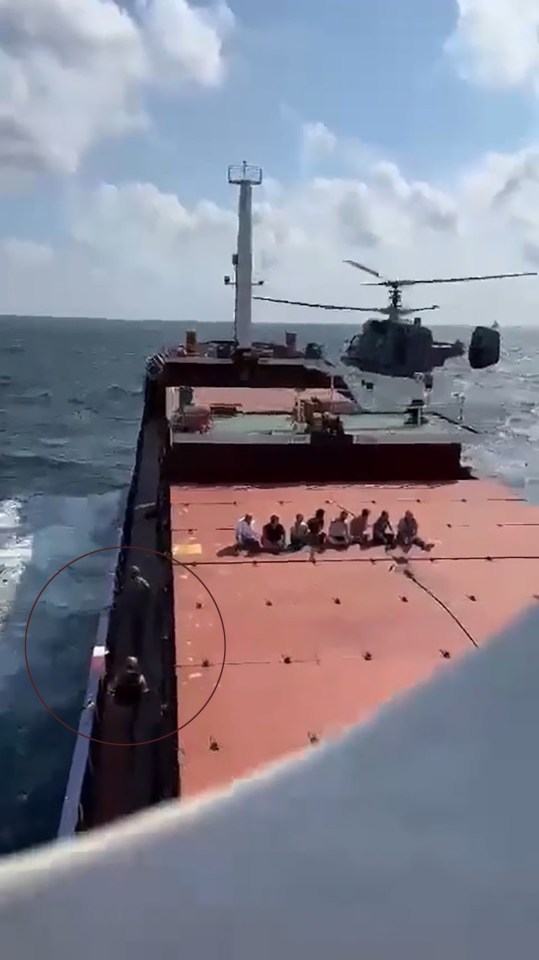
73, 805
80, 784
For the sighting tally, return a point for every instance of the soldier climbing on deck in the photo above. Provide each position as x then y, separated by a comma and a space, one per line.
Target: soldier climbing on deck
128, 688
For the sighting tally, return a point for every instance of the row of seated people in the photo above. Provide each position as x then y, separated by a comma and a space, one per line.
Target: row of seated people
341, 532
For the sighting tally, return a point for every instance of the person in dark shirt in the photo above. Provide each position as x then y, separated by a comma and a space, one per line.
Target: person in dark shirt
317, 537
130, 684
382, 531
273, 535
127, 689
359, 526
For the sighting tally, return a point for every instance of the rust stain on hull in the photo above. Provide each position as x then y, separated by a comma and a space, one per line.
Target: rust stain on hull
315, 648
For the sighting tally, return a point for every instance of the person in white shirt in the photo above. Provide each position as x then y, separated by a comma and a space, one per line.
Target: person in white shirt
339, 533
247, 537
299, 533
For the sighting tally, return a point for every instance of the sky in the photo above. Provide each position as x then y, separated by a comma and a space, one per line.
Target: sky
411, 837
401, 134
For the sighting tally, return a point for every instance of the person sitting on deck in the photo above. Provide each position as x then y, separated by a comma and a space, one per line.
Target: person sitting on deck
338, 532
358, 527
273, 535
316, 536
382, 531
299, 533
407, 532
247, 537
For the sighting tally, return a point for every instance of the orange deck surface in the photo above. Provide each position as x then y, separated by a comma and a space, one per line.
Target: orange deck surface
262, 399
313, 648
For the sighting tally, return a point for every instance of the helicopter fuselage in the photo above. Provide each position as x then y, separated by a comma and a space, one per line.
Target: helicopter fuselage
396, 349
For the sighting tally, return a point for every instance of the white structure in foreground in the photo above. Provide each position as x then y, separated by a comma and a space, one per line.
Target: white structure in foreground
414, 838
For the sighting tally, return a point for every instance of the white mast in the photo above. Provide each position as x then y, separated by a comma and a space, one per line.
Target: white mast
247, 177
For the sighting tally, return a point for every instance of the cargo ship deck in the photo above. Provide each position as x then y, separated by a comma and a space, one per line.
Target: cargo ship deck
313, 648
315, 643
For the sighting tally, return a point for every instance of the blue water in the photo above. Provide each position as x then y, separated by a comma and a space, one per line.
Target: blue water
70, 403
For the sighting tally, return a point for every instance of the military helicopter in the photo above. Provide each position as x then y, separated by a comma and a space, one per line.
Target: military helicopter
396, 347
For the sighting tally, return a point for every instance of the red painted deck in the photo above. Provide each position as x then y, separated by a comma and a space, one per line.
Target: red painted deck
261, 400
326, 617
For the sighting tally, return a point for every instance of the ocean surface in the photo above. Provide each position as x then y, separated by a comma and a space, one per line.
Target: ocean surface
70, 403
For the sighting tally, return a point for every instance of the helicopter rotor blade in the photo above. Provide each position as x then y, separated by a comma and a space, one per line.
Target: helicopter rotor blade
320, 306
415, 283
361, 266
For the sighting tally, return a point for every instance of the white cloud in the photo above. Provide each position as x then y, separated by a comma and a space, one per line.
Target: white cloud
73, 72
137, 252
22, 254
318, 140
496, 42
186, 41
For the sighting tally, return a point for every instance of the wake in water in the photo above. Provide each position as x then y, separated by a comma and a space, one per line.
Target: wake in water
37, 537
15, 553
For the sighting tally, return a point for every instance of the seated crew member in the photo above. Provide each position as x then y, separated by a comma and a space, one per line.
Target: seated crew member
247, 537
338, 532
407, 532
316, 537
299, 533
273, 535
359, 526
382, 531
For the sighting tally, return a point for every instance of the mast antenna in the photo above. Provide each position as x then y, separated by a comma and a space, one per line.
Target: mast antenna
246, 177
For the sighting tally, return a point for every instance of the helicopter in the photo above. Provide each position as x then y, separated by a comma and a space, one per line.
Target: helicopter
397, 347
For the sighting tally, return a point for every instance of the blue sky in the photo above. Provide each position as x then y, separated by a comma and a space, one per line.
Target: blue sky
374, 71
431, 88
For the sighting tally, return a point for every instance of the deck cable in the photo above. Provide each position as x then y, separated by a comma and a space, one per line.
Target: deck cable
411, 576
